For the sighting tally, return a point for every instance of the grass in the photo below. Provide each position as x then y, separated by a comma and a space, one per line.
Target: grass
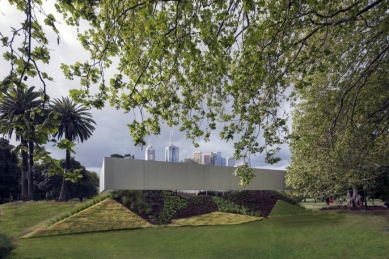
105, 215
282, 208
323, 235
80, 207
214, 218
19, 218
301, 235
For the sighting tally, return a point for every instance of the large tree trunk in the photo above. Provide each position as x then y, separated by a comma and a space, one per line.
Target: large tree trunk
24, 171
64, 188
354, 199
31, 171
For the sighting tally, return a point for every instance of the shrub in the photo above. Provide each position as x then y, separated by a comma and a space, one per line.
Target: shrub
136, 201
231, 207
171, 203
197, 205
6, 245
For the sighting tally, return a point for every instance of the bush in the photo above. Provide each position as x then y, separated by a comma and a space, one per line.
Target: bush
197, 205
6, 245
171, 203
230, 207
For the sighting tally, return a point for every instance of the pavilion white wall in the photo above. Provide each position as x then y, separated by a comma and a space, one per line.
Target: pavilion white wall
130, 174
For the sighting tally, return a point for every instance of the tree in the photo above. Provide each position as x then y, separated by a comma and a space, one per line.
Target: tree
86, 187
232, 64
19, 111
354, 155
189, 161
48, 186
9, 171
76, 124
117, 155
229, 65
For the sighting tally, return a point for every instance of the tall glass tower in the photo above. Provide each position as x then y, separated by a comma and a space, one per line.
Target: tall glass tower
150, 152
172, 153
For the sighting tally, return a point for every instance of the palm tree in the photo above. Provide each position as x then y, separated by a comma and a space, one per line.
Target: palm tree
15, 116
75, 125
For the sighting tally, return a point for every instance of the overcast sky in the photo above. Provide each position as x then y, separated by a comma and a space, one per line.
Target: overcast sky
111, 134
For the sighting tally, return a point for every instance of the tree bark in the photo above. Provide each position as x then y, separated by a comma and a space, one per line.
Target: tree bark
24, 171
64, 187
31, 171
354, 199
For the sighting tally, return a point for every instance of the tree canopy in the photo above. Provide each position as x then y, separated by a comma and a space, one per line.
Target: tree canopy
9, 171
229, 65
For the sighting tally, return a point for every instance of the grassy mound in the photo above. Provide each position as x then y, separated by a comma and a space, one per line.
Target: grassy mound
19, 218
214, 218
282, 208
106, 215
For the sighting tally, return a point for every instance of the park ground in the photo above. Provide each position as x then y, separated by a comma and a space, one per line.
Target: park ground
285, 234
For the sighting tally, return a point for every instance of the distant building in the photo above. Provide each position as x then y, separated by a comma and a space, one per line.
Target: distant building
198, 157
224, 161
230, 161
207, 158
172, 153
218, 158
150, 152
210, 158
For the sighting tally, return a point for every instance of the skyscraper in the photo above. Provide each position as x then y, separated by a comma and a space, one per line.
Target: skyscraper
230, 161
150, 152
172, 152
210, 158
198, 157
218, 158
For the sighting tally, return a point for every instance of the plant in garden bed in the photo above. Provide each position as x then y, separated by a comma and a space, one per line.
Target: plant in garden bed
171, 203
263, 201
6, 245
230, 207
197, 205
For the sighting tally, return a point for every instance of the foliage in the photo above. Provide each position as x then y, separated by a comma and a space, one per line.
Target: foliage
117, 155
21, 112
262, 201
136, 201
289, 197
381, 189
6, 245
9, 171
171, 203
230, 207
76, 124
231, 66
48, 185
282, 208
355, 155
189, 161
196, 205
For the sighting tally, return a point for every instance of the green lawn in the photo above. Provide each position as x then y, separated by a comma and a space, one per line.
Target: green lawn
300, 234
325, 235
17, 218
